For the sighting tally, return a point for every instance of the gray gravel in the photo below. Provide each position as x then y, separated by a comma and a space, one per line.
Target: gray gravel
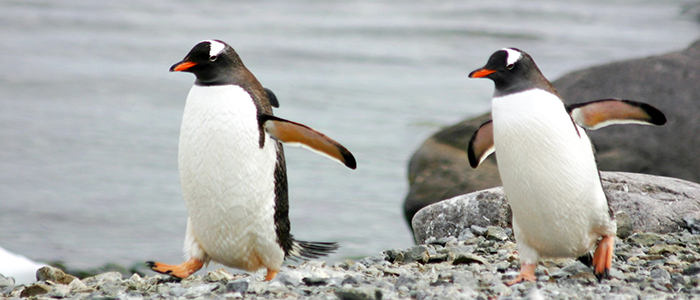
646, 266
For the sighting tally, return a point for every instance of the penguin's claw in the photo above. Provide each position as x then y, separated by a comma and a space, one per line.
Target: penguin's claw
182, 270
602, 259
527, 273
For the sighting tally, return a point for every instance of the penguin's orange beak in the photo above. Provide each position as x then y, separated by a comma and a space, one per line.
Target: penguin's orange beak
182, 66
480, 73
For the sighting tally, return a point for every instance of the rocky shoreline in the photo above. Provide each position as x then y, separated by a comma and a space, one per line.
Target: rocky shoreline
473, 266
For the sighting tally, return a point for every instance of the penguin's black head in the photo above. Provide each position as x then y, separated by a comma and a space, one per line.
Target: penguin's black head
212, 61
512, 70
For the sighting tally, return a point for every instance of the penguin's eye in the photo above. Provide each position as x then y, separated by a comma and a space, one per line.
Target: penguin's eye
510, 66
213, 58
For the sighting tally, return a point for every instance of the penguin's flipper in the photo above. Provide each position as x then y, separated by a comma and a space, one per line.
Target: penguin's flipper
600, 113
272, 98
481, 144
296, 134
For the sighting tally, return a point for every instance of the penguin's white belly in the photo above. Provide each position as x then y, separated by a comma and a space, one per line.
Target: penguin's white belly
227, 179
550, 177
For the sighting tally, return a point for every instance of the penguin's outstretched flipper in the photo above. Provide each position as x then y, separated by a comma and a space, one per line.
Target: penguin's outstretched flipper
600, 113
296, 134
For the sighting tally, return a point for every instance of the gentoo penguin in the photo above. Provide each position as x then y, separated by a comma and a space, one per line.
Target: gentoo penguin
547, 163
232, 168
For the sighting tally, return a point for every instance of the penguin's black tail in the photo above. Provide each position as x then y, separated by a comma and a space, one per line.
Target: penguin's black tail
302, 250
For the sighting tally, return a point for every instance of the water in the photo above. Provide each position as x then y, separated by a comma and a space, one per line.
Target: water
89, 115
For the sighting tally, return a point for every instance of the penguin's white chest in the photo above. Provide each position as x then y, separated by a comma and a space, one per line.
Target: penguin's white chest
549, 173
227, 178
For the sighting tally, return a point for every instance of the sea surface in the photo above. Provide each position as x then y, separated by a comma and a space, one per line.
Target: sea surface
90, 115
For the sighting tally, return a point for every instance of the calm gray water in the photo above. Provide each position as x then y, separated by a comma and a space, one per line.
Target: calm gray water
89, 115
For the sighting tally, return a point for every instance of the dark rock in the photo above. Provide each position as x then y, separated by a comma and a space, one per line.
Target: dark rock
654, 204
440, 169
390, 255
692, 269
314, 281
358, 294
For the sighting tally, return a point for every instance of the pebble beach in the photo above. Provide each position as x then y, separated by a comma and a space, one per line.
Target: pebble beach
474, 265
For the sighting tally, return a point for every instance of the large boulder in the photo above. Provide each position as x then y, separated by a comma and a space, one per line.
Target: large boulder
641, 203
439, 169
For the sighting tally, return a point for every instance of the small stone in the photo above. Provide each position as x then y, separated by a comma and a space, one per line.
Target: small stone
238, 286
390, 255
678, 279
468, 258
56, 275
59, 291
625, 228
496, 233
417, 253
358, 294
292, 278
693, 224
218, 275
660, 274
478, 230
405, 280
6, 282
315, 281
374, 260
277, 288
644, 238
663, 249
36, 289
77, 286
692, 269
350, 280
100, 279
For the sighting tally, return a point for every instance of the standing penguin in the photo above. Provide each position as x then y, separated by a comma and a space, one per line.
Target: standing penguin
547, 162
232, 168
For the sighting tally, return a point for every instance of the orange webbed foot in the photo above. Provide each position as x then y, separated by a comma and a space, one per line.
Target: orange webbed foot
602, 259
527, 273
271, 274
182, 270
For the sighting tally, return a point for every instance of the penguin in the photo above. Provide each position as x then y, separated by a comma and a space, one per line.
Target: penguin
547, 163
232, 169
